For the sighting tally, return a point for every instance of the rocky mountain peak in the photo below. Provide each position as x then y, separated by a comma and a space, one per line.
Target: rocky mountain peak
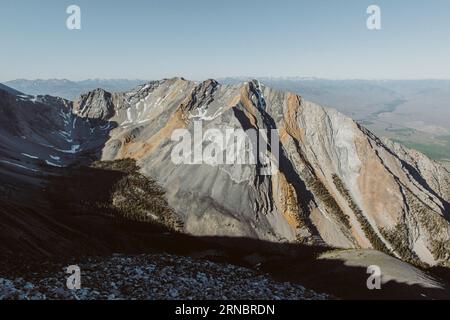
97, 104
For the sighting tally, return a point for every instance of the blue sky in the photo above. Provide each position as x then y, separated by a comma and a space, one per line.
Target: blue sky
197, 39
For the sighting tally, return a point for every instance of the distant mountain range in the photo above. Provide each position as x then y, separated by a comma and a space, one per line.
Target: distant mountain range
71, 90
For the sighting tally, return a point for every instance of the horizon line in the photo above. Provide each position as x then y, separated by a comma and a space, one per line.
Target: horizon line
310, 78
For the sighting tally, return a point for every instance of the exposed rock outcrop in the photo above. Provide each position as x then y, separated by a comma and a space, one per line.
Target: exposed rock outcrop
97, 104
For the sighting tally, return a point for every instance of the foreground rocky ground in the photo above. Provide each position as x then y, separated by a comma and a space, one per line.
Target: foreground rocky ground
157, 276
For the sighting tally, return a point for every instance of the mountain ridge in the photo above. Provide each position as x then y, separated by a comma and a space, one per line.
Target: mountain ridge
338, 183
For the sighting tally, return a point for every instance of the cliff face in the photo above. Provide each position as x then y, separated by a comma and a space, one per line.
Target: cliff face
335, 183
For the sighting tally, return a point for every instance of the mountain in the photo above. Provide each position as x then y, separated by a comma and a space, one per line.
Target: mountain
335, 184
71, 89
395, 109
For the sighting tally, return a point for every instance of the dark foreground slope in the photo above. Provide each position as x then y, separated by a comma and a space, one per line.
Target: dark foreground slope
79, 220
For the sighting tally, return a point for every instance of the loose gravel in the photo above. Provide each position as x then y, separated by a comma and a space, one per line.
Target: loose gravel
154, 277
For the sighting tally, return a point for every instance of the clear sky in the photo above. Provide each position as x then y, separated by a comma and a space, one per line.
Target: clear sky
197, 39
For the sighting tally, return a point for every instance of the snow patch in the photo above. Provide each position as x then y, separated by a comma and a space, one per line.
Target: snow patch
30, 156
52, 164
18, 165
74, 149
